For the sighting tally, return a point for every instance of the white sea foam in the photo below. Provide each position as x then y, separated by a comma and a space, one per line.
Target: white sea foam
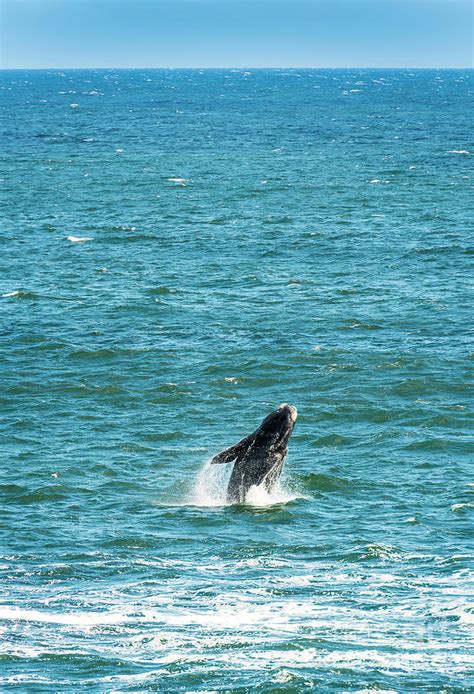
180, 181
79, 239
11, 293
465, 614
32, 678
81, 619
458, 151
242, 627
298, 581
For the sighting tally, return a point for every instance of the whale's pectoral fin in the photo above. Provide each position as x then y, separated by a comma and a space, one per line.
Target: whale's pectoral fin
230, 454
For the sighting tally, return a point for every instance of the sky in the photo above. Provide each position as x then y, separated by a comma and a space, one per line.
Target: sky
235, 33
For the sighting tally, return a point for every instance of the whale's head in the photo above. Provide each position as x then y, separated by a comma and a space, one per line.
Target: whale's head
277, 427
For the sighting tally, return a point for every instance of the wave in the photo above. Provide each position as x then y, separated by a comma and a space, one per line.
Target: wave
179, 181
23, 495
461, 507
20, 294
371, 552
318, 482
332, 440
156, 291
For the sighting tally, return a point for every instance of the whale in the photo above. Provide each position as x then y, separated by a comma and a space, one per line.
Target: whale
258, 458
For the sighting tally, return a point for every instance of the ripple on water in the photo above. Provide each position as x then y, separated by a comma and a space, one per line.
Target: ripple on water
227, 253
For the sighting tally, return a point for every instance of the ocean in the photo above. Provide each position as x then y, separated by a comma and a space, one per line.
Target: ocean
181, 252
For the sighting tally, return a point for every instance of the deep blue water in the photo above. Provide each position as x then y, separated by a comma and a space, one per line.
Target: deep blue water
181, 251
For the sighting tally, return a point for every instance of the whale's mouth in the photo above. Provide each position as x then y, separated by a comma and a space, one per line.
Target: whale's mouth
292, 411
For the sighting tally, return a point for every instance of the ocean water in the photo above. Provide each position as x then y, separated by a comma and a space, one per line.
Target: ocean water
181, 251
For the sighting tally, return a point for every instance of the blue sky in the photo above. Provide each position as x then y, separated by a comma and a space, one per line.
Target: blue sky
236, 33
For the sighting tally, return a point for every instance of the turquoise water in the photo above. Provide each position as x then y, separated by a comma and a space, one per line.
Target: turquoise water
181, 252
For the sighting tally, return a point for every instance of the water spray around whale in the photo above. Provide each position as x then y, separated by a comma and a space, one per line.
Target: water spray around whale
259, 458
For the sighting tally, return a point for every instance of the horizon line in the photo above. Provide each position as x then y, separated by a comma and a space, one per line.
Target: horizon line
249, 67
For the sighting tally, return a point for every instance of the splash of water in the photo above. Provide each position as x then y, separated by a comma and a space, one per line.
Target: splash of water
210, 486
210, 489
258, 495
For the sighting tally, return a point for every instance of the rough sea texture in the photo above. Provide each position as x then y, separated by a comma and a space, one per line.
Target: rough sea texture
182, 251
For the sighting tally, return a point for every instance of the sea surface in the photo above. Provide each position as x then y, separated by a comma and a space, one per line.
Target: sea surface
182, 251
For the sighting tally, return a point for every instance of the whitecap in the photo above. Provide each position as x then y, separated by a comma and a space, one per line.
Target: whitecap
15, 293
79, 239
458, 151
460, 507
283, 676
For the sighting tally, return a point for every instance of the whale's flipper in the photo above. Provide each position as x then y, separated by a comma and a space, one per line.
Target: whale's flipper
230, 454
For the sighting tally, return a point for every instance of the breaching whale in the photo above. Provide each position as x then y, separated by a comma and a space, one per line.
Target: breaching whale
259, 457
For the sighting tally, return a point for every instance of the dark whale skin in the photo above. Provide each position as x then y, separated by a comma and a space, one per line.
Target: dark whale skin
259, 458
